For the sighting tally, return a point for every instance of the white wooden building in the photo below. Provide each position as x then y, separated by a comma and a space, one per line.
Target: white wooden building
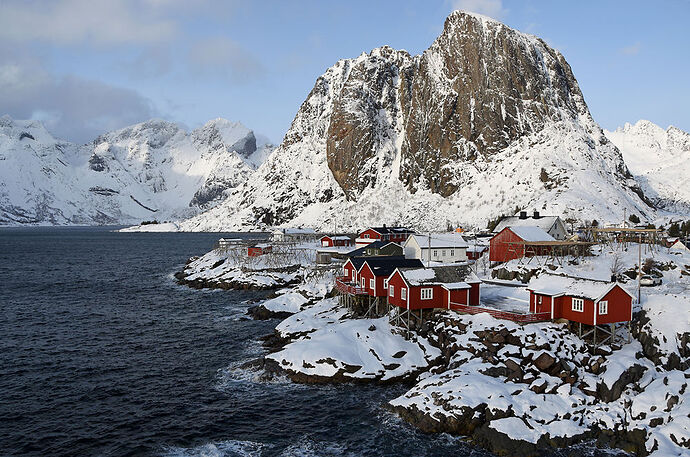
436, 247
292, 235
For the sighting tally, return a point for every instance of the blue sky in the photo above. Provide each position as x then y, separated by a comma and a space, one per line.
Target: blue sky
87, 66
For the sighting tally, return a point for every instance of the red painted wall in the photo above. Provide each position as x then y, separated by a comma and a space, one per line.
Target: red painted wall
255, 252
366, 273
474, 294
544, 307
397, 282
373, 235
437, 300
349, 270
620, 306
499, 250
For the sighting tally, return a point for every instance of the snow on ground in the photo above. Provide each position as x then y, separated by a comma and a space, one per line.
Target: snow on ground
352, 348
290, 302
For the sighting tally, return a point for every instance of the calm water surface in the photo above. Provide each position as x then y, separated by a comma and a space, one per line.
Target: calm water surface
101, 354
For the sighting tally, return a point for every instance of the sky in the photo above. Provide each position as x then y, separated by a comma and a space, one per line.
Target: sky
84, 67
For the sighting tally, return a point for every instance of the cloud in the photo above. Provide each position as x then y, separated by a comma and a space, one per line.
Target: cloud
631, 50
491, 8
71, 107
224, 58
95, 22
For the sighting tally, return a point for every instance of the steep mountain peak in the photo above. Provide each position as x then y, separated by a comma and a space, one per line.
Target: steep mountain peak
222, 134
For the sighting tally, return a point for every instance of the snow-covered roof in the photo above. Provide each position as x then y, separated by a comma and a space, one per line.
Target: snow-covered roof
338, 237
543, 222
387, 230
440, 240
444, 276
678, 245
262, 245
554, 285
530, 233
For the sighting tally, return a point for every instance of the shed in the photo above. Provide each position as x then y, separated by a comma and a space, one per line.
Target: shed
502, 247
436, 287
328, 241
259, 249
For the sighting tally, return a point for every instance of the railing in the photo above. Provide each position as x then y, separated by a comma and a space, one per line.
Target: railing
344, 287
498, 314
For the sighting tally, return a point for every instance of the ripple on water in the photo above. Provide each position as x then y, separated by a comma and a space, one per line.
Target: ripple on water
228, 448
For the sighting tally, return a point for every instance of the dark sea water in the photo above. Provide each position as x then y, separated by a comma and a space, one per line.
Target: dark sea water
102, 353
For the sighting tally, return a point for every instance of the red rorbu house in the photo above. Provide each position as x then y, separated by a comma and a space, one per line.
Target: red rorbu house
436, 287
394, 234
259, 249
336, 240
509, 243
589, 302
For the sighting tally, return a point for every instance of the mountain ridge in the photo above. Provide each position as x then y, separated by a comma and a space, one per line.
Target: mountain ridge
484, 120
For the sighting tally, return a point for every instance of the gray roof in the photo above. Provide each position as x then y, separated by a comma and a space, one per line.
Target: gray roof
543, 222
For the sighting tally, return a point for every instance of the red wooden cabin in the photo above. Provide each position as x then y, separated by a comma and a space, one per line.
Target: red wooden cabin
504, 246
395, 234
259, 249
336, 240
580, 300
374, 272
436, 287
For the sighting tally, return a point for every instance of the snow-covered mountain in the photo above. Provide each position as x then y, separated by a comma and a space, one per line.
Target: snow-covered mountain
152, 170
660, 161
485, 120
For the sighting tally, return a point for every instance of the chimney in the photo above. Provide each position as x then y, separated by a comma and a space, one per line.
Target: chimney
536, 215
523, 214
384, 225
613, 278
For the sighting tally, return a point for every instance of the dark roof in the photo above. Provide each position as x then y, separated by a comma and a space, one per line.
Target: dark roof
362, 251
386, 265
388, 230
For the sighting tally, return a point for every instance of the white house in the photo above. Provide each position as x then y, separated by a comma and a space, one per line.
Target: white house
294, 234
553, 225
436, 247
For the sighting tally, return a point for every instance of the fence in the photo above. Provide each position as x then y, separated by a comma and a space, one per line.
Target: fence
342, 286
498, 314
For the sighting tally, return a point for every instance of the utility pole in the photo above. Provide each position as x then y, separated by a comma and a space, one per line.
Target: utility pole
639, 268
428, 256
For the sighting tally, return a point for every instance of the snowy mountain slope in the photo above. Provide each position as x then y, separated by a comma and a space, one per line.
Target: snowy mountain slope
660, 161
152, 170
484, 120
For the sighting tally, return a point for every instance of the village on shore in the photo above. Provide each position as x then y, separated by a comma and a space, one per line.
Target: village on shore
527, 337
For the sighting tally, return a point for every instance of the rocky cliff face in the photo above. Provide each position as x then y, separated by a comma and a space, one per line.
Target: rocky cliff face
485, 120
152, 170
660, 161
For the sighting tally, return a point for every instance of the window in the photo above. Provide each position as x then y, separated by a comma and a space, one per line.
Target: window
385, 284
443, 253
364, 282
540, 299
452, 252
366, 235
435, 253
427, 294
578, 304
391, 291
603, 307
403, 294
371, 284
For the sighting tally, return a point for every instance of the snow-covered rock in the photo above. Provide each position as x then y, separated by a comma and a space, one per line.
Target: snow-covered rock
153, 170
660, 161
485, 120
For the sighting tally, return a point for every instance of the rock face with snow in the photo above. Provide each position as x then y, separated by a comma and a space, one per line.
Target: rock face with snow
660, 161
152, 170
485, 120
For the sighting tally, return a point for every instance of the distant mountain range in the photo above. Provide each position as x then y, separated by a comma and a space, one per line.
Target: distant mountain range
487, 120
153, 170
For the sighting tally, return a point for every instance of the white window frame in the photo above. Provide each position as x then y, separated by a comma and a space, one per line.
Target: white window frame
371, 284
443, 253
403, 293
578, 305
452, 253
391, 290
603, 307
385, 283
435, 253
427, 293
540, 299
364, 282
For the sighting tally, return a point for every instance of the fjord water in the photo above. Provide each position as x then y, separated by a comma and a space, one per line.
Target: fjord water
103, 354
